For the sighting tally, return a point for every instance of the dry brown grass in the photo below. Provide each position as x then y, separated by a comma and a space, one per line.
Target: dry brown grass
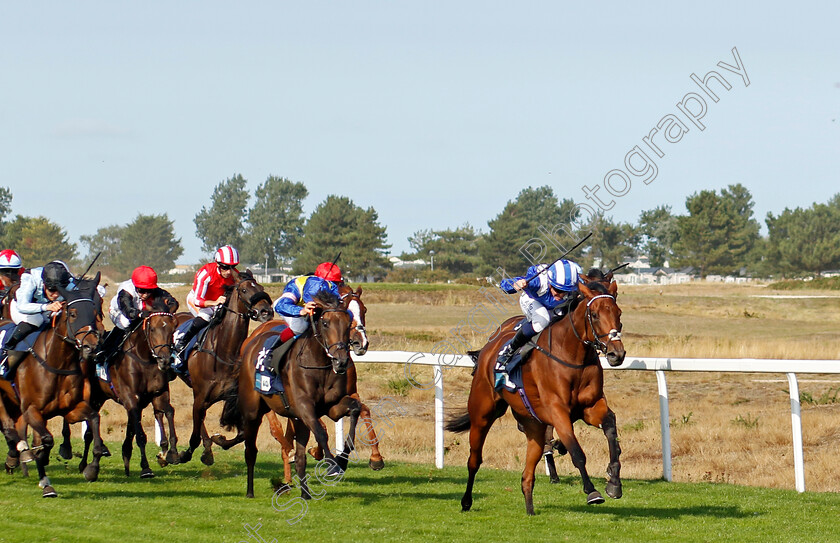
732, 428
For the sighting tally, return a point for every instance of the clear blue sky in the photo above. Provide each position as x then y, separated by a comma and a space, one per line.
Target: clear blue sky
434, 113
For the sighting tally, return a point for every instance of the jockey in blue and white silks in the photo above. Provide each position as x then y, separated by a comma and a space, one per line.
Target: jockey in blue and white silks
296, 303
547, 294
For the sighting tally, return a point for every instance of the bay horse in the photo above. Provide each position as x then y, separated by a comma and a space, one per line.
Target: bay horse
359, 342
563, 379
51, 379
314, 376
139, 376
214, 361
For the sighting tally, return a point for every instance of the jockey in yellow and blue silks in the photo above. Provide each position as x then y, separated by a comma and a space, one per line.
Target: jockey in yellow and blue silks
546, 296
296, 303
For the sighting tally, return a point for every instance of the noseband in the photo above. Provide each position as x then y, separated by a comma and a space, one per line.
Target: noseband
147, 324
75, 341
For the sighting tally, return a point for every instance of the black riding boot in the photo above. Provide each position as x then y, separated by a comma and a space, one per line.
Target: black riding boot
9, 363
109, 345
196, 326
525, 333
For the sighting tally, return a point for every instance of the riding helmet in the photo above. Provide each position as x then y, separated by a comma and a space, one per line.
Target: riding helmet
56, 274
10, 259
563, 275
227, 255
144, 277
328, 271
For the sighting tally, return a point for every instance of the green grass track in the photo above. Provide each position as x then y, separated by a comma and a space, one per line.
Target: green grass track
404, 502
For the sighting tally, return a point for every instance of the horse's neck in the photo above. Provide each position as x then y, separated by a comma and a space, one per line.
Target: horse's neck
137, 342
232, 332
59, 352
563, 341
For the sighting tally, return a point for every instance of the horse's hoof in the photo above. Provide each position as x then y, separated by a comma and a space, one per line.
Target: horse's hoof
184, 457
316, 453
82, 466
554, 480
335, 471
172, 456
207, 458
594, 498
91, 473
49, 492
376, 465
146, 473
613, 491
105, 450
26, 456
161, 460
12, 462
65, 452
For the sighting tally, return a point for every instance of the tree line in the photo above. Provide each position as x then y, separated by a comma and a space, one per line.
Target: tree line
717, 234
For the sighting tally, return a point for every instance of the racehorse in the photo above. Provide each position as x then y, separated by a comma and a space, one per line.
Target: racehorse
563, 380
138, 376
214, 362
51, 380
359, 342
314, 375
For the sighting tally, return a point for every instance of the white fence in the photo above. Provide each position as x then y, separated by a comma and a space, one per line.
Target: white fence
440, 363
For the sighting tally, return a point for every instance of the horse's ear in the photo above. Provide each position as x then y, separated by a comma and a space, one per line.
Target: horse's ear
97, 277
359, 290
613, 288
586, 291
584, 278
609, 276
236, 275
64, 292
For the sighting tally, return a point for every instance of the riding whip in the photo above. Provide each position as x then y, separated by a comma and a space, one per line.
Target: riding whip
578, 244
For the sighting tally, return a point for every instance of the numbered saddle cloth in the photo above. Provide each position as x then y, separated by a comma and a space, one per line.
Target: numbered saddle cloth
265, 381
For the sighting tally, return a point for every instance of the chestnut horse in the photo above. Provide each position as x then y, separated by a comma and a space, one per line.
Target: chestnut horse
359, 342
563, 379
51, 380
314, 376
214, 362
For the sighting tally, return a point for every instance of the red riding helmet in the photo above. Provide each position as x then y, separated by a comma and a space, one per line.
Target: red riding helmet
144, 277
227, 255
328, 271
10, 259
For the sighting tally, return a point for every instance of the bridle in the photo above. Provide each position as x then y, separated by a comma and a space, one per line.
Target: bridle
316, 333
154, 349
361, 326
74, 340
612, 335
250, 312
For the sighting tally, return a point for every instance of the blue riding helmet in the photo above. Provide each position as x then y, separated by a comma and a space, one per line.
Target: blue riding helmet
563, 275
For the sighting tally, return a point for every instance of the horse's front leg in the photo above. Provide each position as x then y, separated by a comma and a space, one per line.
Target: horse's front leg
84, 411
198, 414
600, 415
565, 432
35, 420
65, 450
169, 447
348, 406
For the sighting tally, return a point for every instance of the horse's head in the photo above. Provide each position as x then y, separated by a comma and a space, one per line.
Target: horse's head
82, 315
159, 327
331, 324
603, 317
353, 301
248, 298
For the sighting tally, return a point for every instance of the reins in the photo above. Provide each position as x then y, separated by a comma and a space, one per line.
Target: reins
318, 338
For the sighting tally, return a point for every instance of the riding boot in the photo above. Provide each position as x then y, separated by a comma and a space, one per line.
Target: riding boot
196, 326
523, 335
109, 345
9, 361
22, 330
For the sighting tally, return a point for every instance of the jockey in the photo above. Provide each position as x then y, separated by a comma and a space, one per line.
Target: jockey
11, 265
208, 292
132, 303
37, 298
296, 303
548, 294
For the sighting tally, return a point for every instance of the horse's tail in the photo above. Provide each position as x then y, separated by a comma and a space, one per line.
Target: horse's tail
231, 412
458, 423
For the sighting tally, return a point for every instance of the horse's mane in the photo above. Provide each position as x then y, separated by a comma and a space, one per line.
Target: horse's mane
327, 299
595, 274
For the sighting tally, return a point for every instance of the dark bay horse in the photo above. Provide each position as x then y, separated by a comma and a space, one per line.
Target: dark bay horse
314, 376
138, 376
214, 362
52, 379
564, 381
359, 342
